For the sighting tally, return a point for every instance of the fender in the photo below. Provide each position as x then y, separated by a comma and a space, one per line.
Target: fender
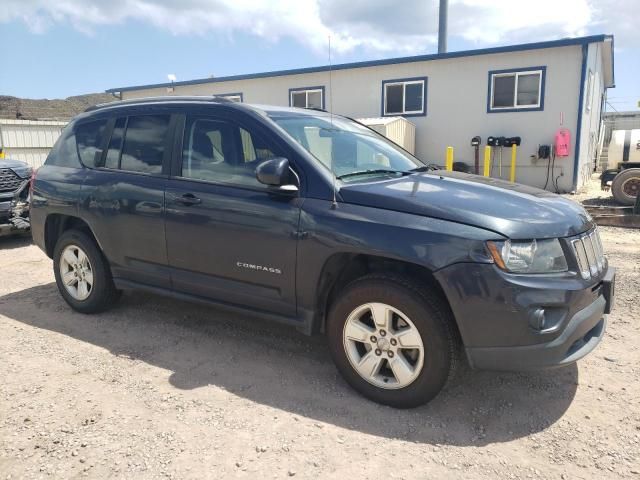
355, 229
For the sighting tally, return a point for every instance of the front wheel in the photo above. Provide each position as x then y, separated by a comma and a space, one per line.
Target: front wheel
393, 342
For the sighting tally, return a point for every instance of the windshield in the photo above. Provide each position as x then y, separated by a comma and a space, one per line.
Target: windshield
352, 151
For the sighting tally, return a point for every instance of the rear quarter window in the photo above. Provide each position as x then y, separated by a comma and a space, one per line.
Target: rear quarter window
64, 152
89, 137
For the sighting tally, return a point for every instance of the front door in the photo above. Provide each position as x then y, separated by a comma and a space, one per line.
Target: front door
230, 238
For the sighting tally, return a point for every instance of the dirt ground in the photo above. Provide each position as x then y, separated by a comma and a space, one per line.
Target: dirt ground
158, 388
592, 194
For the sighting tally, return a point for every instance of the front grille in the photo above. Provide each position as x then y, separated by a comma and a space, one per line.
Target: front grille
9, 181
589, 254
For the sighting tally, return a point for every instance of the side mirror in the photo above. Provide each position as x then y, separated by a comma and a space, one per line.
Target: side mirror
276, 173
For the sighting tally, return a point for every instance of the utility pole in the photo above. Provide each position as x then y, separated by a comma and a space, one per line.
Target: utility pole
442, 26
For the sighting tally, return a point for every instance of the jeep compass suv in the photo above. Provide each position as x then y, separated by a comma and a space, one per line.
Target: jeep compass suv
316, 221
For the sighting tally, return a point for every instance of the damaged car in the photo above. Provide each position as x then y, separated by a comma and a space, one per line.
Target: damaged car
14, 196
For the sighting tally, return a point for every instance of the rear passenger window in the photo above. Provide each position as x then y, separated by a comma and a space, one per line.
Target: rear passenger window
144, 143
89, 140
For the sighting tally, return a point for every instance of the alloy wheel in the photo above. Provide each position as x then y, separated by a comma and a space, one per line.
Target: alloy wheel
76, 272
383, 345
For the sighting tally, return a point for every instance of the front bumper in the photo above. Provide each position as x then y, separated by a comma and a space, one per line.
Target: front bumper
494, 313
14, 211
5, 209
581, 336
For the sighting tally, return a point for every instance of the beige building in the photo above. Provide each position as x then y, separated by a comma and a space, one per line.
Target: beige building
530, 90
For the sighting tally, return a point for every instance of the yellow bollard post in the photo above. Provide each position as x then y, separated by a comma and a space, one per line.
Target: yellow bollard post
487, 160
512, 176
449, 164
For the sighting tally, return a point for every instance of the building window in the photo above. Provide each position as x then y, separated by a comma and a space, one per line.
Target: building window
406, 96
515, 90
234, 97
307, 97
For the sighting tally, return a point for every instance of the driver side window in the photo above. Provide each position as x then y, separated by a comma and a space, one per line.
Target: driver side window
220, 151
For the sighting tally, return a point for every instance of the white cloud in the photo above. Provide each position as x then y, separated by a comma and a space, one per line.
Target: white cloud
408, 26
490, 22
619, 17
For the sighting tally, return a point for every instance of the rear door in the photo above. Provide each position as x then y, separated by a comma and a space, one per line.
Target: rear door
230, 238
123, 195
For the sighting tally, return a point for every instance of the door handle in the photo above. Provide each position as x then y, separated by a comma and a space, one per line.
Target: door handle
187, 199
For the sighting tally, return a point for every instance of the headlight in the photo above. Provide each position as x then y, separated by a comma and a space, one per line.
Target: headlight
22, 172
529, 256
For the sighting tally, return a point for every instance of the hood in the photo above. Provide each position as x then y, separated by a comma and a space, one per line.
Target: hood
513, 210
9, 163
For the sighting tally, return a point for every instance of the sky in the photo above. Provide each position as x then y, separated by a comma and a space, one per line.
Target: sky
56, 49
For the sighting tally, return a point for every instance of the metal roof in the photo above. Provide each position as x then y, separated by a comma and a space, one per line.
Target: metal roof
11, 121
389, 61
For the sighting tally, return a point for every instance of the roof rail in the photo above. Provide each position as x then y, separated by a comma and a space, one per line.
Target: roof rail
166, 99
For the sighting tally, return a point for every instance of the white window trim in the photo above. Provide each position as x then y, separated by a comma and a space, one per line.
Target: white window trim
306, 96
515, 90
404, 96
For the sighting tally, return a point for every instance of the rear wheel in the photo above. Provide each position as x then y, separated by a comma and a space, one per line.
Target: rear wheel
392, 341
82, 274
626, 186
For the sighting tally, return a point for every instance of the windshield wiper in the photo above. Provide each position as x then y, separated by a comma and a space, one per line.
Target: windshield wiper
425, 168
367, 172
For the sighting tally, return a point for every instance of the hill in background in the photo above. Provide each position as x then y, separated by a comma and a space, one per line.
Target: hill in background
44, 109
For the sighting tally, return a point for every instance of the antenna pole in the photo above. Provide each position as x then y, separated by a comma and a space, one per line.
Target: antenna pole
330, 84
334, 204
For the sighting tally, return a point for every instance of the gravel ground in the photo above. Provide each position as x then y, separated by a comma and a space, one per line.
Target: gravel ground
592, 194
158, 388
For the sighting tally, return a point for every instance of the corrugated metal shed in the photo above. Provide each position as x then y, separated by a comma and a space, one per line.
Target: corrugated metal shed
397, 129
29, 140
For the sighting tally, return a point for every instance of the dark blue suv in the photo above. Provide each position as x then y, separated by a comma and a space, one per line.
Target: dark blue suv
316, 221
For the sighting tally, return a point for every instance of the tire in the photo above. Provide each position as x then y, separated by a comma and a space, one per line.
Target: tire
626, 186
430, 317
101, 293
